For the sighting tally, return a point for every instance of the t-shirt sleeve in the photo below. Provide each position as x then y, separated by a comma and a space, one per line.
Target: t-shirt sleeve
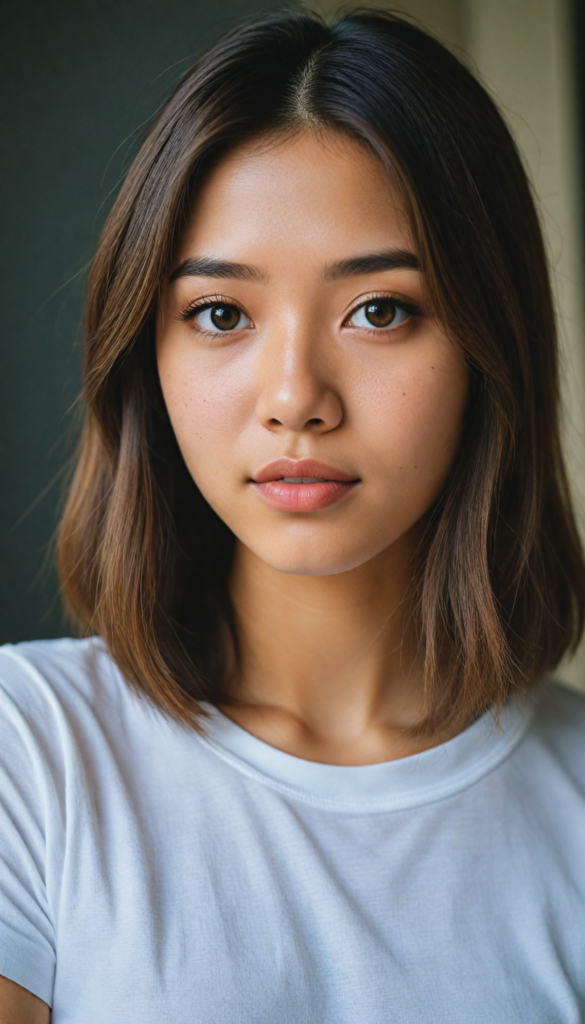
27, 945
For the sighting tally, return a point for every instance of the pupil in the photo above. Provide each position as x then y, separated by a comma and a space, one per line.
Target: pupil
380, 314
225, 318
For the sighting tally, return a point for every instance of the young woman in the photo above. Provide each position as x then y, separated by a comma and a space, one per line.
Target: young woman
308, 765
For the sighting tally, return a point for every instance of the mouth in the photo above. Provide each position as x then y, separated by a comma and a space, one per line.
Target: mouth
302, 485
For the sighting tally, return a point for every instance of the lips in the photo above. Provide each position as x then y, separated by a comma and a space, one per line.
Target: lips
302, 485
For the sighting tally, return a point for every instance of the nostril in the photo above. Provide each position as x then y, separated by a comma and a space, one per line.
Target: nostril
315, 422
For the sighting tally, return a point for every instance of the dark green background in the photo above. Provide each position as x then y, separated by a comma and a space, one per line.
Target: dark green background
79, 80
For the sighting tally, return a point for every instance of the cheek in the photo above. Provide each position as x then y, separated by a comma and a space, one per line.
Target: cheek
208, 405
413, 420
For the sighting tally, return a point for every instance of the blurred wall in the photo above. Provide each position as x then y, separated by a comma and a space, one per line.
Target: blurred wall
82, 76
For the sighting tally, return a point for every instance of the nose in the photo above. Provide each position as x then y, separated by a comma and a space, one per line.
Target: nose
295, 393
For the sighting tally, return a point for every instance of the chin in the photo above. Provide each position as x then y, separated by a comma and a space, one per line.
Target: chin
315, 559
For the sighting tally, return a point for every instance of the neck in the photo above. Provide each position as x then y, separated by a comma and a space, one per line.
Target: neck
327, 668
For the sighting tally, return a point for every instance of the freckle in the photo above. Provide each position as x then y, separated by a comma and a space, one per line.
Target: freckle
404, 392
432, 367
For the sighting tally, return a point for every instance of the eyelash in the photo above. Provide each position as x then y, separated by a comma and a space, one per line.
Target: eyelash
189, 311
198, 305
414, 311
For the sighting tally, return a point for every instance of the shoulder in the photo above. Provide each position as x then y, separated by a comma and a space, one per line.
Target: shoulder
68, 720
46, 680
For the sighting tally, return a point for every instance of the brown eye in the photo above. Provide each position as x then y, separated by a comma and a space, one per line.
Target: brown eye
225, 318
220, 317
380, 313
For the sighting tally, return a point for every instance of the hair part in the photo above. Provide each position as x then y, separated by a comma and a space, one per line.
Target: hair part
300, 109
499, 588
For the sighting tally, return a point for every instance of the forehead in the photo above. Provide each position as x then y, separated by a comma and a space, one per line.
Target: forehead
312, 193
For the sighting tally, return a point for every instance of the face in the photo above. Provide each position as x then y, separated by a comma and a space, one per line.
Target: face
317, 403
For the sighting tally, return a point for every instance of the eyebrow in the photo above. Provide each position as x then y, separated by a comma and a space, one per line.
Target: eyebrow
372, 263
207, 266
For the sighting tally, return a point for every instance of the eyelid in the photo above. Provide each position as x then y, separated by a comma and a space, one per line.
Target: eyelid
205, 302
413, 308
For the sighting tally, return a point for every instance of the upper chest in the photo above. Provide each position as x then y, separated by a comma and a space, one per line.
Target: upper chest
240, 904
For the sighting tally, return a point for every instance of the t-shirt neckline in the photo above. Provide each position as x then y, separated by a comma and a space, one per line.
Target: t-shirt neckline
413, 781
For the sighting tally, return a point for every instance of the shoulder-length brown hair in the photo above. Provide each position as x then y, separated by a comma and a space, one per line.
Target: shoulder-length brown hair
500, 586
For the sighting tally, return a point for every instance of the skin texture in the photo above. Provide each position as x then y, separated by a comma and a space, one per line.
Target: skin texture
17, 1006
329, 670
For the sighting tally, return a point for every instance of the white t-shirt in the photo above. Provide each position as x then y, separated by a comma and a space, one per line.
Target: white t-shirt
150, 876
